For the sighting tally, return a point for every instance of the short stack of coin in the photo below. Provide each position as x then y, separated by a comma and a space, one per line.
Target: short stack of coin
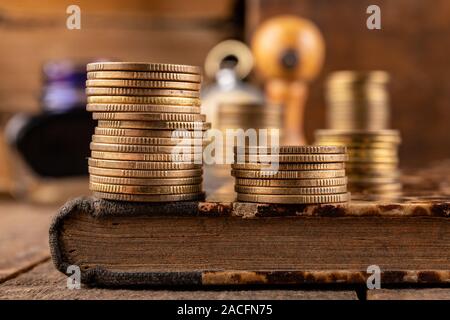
357, 100
134, 154
372, 167
291, 174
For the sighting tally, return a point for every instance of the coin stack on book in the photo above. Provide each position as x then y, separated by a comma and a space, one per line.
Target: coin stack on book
357, 100
148, 142
373, 159
291, 174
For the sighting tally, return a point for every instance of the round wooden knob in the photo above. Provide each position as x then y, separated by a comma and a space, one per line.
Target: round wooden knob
288, 47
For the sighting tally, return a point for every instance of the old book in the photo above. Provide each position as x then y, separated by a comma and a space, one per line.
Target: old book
226, 243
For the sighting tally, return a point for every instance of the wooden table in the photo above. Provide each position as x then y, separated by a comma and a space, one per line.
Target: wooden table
26, 271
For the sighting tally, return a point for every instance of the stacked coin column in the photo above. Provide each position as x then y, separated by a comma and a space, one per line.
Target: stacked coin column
135, 154
285, 175
358, 117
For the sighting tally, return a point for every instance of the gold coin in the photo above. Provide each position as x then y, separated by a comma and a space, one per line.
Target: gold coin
149, 116
161, 125
141, 165
292, 183
291, 191
145, 100
314, 174
141, 66
149, 190
145, 182
137, 148
360, 136
287, 158
368, 167
367, 153
173, 134
125, 83
389, 160
291, 150
105, 107
388, 187
145, 173
290, 166
157, 157
367, 180
149, 141
141, 92
361, 145
286, 199
129, 75
150, 198
345, 76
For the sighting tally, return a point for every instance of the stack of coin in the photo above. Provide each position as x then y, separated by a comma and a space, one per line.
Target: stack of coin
291, 174
372, 167
357, 100
148, 143
249, 116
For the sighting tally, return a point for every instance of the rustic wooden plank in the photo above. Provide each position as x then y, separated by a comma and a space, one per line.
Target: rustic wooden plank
409, 294
44, 282
23, 237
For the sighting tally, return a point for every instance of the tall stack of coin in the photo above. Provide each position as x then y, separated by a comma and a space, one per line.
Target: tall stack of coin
148, 143
373, 159
291, 174
357, 100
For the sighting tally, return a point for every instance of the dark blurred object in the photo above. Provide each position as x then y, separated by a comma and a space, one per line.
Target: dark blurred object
289, 52
64, 85
55, 143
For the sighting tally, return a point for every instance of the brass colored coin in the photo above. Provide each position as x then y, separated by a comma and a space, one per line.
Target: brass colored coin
306, 183
290, 166
142, 165
161, 125
388, 187
367, 180
130, 75
349, 76
291, 150
367, 153
175, 134
148, 141
145, 173
179, 101
291, 191
141, 66
145, 182
137, 148
361, 145
368, 167
390, 160
149, 116
105, 107
95, 91
150, 198
149, 190
286, 199
287, 158
314, 174
358, 135
124, 83
157, 157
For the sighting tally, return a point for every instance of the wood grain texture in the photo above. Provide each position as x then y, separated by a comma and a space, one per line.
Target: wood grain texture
409, 294
23, 237
413, 45
44, 282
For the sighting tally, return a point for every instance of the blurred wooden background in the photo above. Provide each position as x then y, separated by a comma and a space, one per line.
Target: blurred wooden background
413, 46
